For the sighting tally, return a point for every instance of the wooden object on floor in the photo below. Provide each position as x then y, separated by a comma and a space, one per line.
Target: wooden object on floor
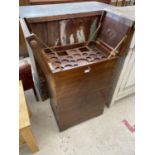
80, 77
24, 122
25, 74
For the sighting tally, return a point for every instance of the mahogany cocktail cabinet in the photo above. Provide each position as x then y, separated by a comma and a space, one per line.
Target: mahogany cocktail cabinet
77, 59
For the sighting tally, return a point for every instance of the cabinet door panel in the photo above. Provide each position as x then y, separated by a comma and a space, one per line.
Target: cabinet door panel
126, 82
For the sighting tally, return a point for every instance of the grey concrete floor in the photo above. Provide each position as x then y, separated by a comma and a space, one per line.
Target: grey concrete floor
103, 135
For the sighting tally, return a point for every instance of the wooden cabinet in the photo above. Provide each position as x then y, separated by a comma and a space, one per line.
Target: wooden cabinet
79, 56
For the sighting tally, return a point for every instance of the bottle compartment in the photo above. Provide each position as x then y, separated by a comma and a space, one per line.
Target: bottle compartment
71, 56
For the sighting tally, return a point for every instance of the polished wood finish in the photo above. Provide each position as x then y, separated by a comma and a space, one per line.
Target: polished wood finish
76, 97
24, 122
79, 92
